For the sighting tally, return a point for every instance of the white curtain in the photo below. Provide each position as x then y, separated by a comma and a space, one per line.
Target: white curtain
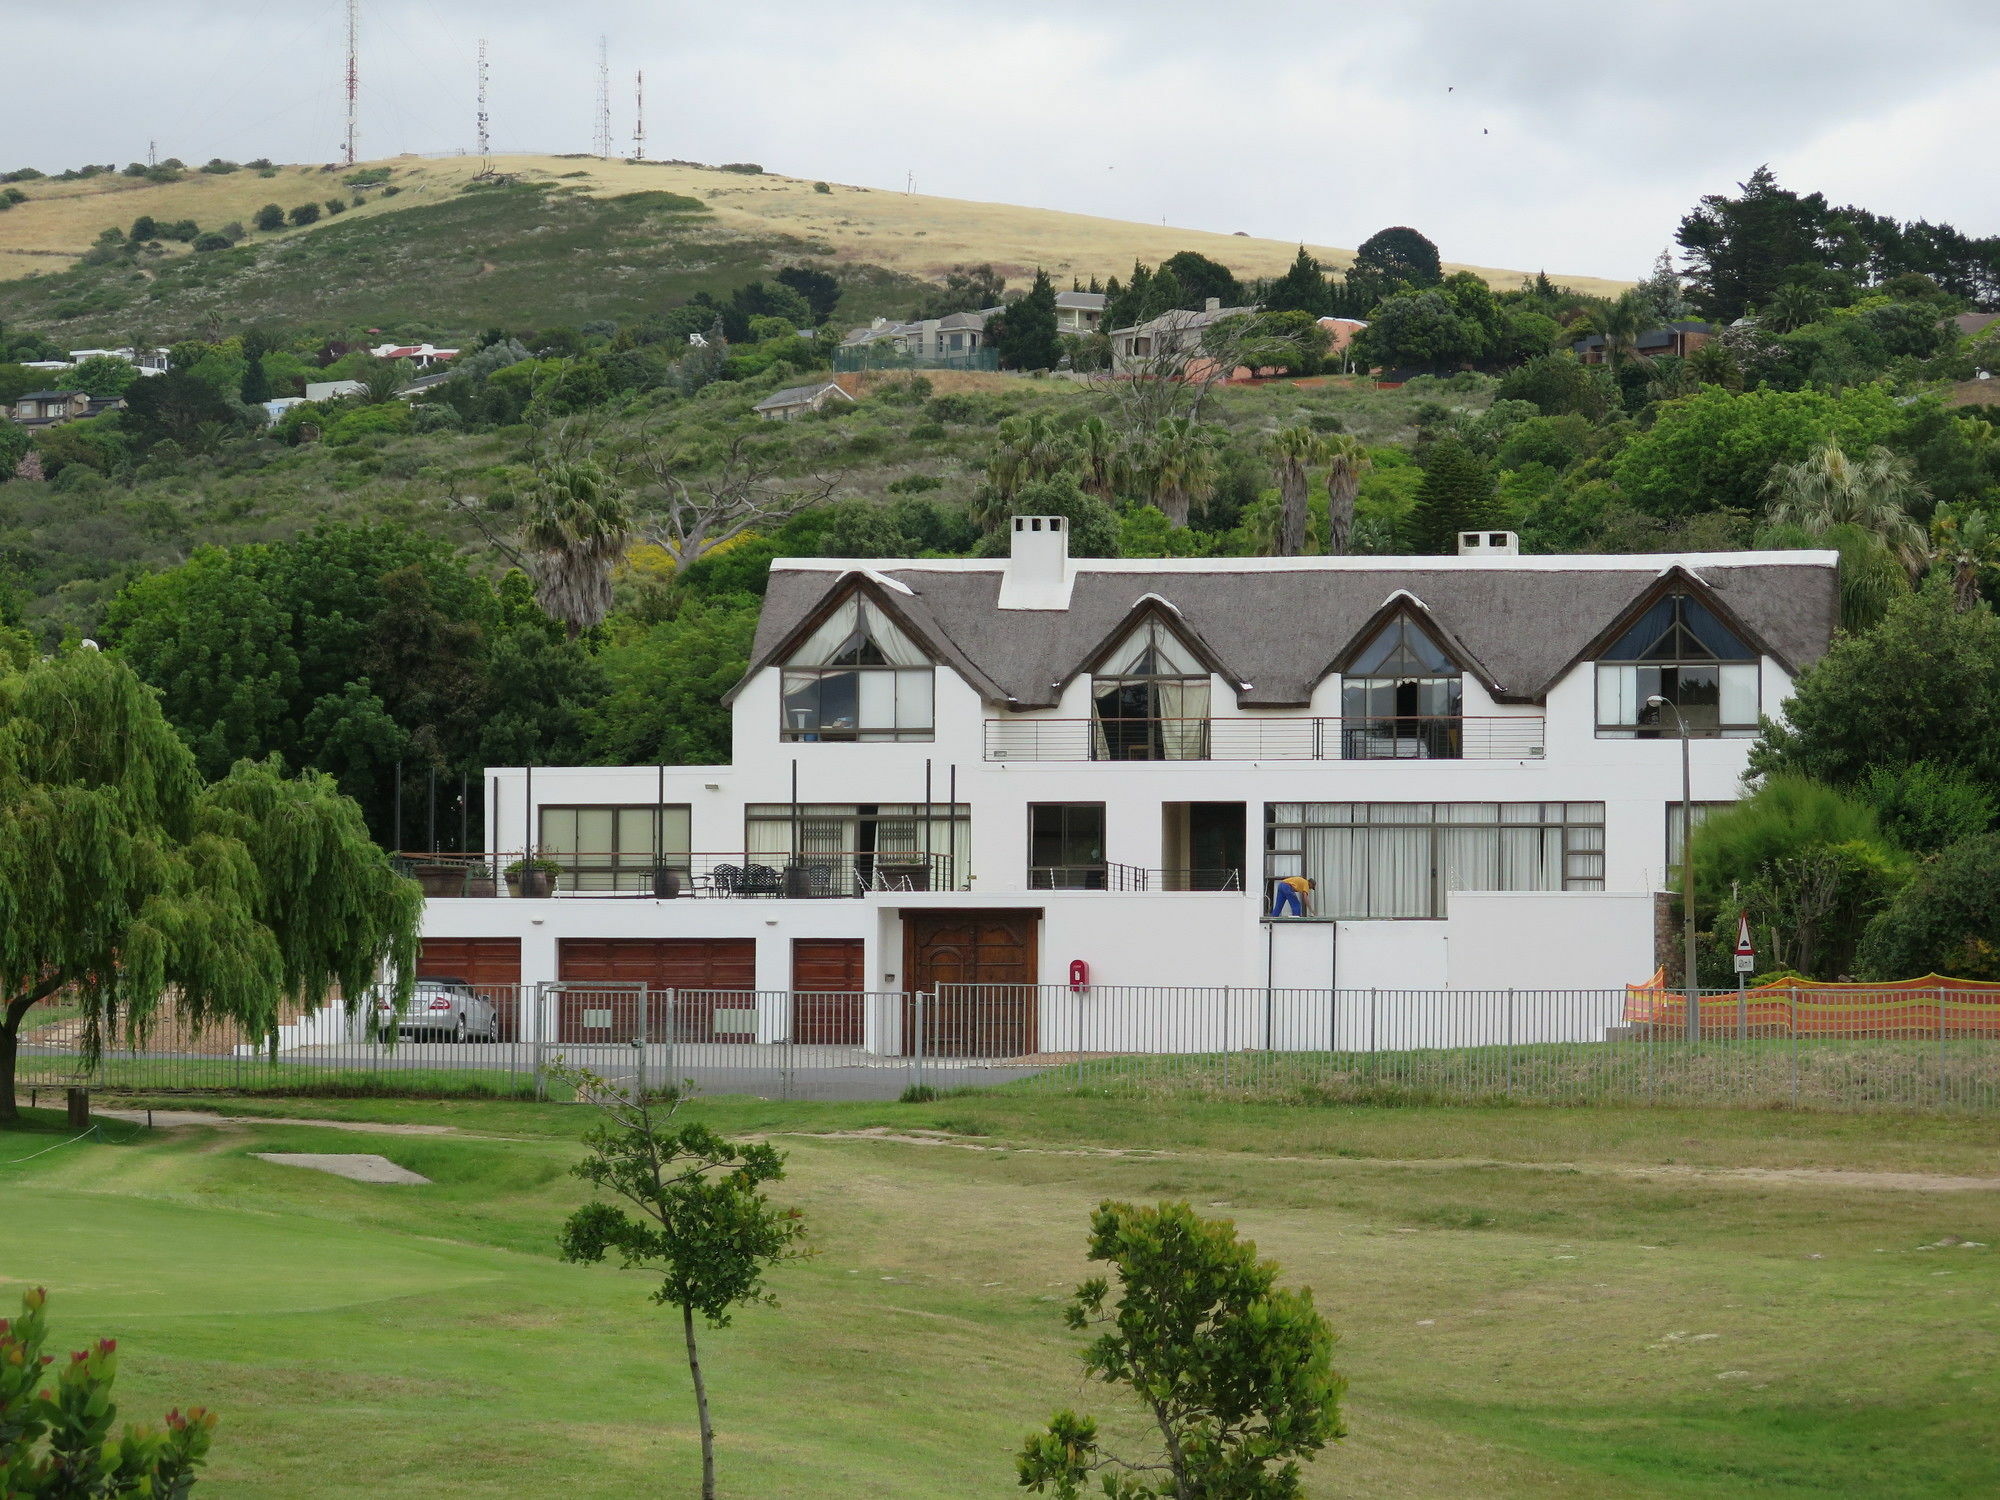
1617, 695
1370, 872
897, 649
1184, 716
1739, 692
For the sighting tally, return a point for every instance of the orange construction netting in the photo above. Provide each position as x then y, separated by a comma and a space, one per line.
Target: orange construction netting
1933, 1006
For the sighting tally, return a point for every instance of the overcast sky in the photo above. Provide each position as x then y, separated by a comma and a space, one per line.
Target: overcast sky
1566, 134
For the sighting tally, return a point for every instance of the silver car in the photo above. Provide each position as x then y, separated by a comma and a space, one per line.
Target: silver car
442, 1010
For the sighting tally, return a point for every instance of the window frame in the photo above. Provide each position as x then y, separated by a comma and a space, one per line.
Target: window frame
1608, 694
1091, 875
796, 678
583, 872
1188, 739
1408, 736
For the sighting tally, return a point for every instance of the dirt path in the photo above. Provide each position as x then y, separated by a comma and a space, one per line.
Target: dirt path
1820, 1177
172, 1119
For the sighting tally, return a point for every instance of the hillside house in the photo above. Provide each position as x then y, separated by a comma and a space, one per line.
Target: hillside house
1679, 339
955, 341
48, 408
149, 361
990, 770
798, 400
421, 356
1163, 343
1079, 313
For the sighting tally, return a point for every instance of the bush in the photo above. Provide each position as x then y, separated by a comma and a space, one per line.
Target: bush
211, 241
270, 218
956, 408
745, 168
821, 187
1926, 807
1945, 921
305, 213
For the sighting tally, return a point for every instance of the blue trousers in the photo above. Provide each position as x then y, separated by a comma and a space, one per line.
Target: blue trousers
1287, 896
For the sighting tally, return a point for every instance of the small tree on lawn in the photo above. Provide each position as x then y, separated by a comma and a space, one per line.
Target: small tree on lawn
1236, 1374
703, 1222
58, 1443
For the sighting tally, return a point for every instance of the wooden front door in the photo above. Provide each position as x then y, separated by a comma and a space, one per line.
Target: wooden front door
978, 967
492, 966
827, 984
707, 975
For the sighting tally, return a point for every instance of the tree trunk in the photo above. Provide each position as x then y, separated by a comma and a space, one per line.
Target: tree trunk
1173, 503
10, 1051
701, 1408
1339, 515
1292, 497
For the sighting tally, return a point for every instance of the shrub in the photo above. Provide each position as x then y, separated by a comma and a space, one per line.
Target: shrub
1927, 807
745, 168
821, 187
1945, 921
270, 218
211, 241
305, 213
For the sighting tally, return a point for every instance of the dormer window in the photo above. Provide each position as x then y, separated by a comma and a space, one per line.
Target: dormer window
858, 677
1402, 697
1150, 698
1680, 652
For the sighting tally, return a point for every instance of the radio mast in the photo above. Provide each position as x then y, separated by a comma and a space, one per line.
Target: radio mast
353, 74
483, 143
639, 115
604, 97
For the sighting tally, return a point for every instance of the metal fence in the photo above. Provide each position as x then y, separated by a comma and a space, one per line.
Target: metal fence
1897, 1050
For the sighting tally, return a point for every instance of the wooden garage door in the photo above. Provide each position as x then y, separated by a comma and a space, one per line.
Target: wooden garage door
980, 967
827, 981
491, 966
706, 974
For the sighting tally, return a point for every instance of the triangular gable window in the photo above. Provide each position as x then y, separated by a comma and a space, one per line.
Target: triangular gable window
1153, 650
1677, 670
858, 677
1151, 699
1403, 648
1401, 696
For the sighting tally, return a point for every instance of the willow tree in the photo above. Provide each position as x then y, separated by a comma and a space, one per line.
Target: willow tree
126, 882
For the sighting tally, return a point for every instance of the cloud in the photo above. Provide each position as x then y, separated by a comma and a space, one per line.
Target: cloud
1566, 134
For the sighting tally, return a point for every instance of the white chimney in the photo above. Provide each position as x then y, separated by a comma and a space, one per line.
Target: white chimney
1037, 574
1214, 304
1488, 544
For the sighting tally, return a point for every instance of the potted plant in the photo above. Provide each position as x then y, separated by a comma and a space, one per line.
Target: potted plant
479, 880
666, 882
440, 877
532, 877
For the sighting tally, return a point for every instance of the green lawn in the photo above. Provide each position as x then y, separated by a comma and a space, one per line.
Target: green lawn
1531, 1302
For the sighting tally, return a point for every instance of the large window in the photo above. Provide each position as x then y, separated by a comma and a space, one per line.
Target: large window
1150, 699
1680, 652
858, 677
614, 848
873, 845
1403, 859
1066, 846
1401, 697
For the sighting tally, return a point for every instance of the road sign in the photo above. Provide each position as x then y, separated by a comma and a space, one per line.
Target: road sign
1746, 951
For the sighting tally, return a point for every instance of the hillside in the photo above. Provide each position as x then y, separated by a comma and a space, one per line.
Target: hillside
572, 239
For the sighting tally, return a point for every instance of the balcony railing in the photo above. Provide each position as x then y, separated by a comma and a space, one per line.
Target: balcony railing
808, 876
1449, 737
1110, 876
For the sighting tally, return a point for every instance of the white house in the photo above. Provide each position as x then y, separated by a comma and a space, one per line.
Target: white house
797, 400
990, 770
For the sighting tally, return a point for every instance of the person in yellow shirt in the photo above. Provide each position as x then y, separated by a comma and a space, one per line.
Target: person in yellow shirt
1294, 891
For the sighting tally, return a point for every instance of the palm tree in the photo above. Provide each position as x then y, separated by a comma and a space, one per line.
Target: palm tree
382, 380
1347, 461
1620, 324
1970, 543
1183, 466
1792, 307
1828, 489
575, 528
1100, 457
1299, 451
1031, 448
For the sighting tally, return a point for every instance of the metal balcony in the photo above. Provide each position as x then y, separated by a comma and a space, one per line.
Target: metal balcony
1451, 737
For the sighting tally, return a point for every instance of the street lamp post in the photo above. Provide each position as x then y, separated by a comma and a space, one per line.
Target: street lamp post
1687, 872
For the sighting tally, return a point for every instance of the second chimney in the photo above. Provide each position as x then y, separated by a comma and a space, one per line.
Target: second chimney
1037, 574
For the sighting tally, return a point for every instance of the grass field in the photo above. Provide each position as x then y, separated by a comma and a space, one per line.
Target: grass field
1530, 1302
909, 235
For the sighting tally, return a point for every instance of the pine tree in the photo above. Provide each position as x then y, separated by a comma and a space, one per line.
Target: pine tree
1028, 338
1457, 495
1301, 289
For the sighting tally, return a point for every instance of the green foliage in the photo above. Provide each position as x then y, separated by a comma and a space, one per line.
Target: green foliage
102, 375
1399, 254
1026, 337
56, 1442
664, 684
1925, 807
303, 214
357, 422
1945, 921
1457, 494
125, 882
270, 218
703, 1223
1715, 450
1810, 863
1235, 1372
1924, 685
1093, 525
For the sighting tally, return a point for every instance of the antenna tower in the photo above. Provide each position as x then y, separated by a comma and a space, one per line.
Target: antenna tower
353, 73
639, 115
482, 97
604, 98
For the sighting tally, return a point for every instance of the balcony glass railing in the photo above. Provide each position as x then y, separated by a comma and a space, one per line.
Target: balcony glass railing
840, 873
1443, 737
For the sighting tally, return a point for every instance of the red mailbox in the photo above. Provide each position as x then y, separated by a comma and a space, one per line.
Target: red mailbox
1079, 976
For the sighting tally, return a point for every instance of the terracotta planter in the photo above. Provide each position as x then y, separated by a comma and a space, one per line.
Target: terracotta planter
529, 884
481, 885
441, 880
